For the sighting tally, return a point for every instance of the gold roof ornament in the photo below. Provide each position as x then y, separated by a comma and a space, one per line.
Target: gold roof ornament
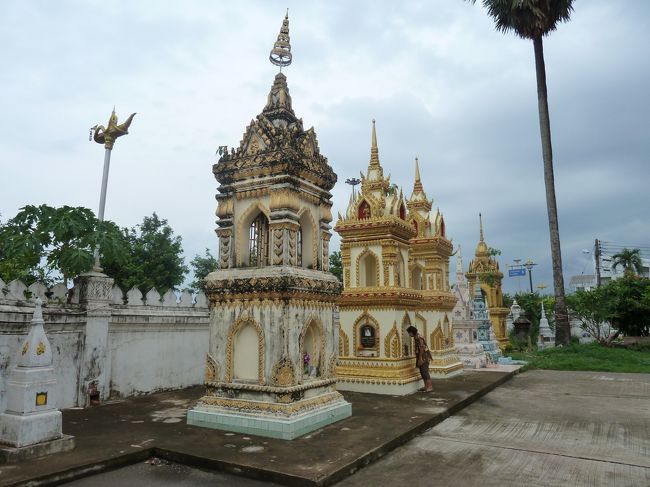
374, 151
281, 53
108, 135
482, 249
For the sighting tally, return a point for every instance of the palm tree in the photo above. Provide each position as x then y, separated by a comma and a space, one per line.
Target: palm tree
630, 260
534, 19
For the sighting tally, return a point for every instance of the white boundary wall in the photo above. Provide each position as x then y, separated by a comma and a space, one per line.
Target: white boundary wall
153, 343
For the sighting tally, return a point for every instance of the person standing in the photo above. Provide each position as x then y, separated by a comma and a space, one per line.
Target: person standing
422, 358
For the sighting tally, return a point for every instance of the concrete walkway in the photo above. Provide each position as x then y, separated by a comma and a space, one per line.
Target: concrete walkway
131, 431
542, 428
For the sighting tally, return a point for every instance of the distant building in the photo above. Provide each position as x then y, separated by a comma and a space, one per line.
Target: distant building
584, 282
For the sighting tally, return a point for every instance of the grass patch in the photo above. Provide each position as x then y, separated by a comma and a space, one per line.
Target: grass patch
592, 356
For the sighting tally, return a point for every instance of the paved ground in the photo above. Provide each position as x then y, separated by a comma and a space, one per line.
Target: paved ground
543, 428
131, 431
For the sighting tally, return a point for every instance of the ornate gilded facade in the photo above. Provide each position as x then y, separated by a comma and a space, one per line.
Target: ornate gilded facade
486, 268
270, 368
395, 257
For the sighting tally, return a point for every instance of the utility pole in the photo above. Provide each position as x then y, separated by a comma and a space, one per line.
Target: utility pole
597, 258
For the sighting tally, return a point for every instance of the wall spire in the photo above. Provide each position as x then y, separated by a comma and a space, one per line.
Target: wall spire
281, 53
480, 219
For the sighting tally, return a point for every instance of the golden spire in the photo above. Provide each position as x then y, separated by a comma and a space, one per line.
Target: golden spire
417, 187
281, 53
374, 151
482, 250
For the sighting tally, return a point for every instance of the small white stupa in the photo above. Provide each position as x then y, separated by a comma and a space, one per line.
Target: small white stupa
546, 337
31, 425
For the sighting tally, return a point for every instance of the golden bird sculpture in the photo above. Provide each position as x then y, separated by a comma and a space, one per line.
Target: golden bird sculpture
108, 135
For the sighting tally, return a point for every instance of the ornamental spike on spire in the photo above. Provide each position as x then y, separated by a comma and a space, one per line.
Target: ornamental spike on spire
480, 219
281, 53
374, 151
417, 186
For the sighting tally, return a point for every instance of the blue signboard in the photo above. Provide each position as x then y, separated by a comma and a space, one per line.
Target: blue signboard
520, 271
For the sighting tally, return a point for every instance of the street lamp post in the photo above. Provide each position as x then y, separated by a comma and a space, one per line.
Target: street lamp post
107, 136
353, 182
529, 265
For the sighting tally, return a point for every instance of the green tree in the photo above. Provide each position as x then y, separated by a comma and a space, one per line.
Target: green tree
202, 266
630, 260
534, 19
336, 267
625, 303
42, 241
592, 308
155, 258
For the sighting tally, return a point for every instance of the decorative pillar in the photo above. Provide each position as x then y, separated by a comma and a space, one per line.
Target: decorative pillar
95, 292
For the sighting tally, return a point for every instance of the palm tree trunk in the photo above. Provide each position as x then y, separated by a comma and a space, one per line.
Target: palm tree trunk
562, 328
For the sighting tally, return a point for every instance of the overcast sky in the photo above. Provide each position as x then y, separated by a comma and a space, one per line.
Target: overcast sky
442, 84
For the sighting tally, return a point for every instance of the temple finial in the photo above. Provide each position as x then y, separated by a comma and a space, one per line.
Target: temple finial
480, 219
374, 151
281, 53
417, 186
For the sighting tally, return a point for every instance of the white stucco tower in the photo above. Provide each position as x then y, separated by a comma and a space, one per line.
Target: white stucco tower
271, 365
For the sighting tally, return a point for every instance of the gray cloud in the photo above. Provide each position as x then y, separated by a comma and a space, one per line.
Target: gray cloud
442, 84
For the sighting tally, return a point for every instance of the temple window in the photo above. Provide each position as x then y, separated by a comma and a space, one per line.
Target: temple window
364, 210
416, 278
368, 268
258, 241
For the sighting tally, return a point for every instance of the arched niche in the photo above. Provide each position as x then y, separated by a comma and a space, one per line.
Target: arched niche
437, 339
253, 237
307, 240
245, 352
416, 277
400, 277
364, 210
312, 345
366, 336
392, 343
402, 211
367, 269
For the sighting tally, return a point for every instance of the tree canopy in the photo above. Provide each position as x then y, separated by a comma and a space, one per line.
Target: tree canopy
336, 266
625, 303
202, 266
154, 257
41, 242
629, 260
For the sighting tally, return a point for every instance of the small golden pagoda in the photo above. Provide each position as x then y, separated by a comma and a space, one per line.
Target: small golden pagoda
395, 271
487, 268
